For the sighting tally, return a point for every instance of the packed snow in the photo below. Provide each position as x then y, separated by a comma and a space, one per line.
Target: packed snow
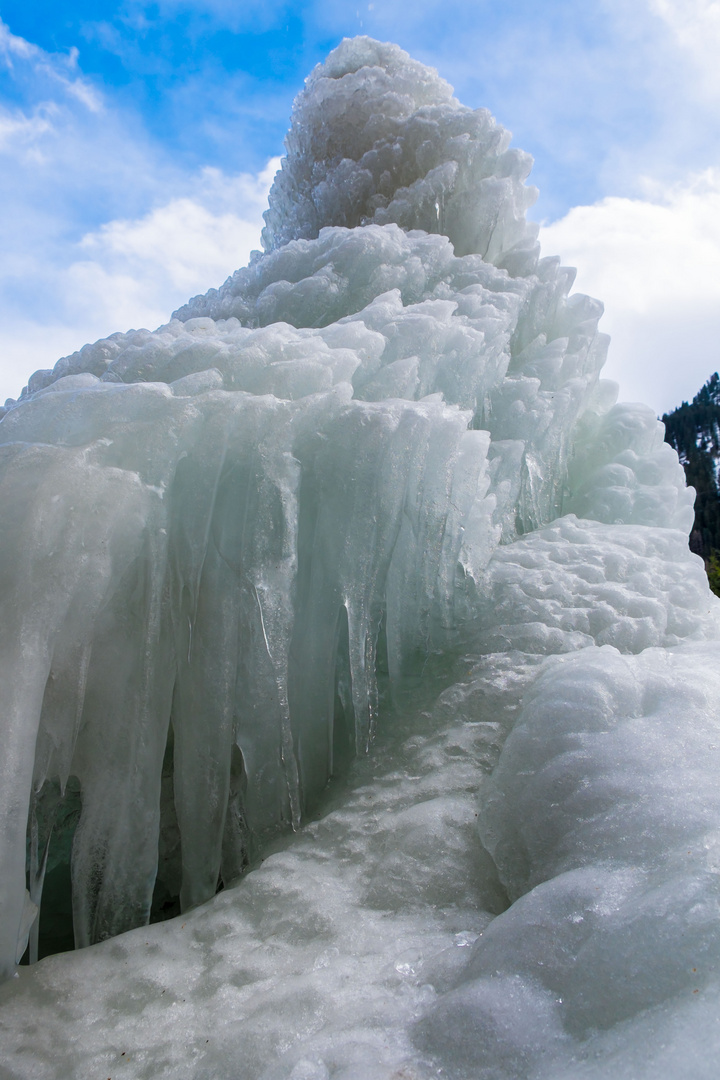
350, 617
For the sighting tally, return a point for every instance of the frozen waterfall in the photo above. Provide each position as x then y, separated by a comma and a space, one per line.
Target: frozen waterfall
370, 494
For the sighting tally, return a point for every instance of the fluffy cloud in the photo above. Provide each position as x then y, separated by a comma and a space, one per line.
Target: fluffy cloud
191, 242
101, 228
655, 262
135, 272
132, 273
695, 25
59, 68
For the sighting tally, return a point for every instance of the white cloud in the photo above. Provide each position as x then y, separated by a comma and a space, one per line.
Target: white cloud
12, 45
695, 25
100, 228
134, 272
655, 262
190, 242
19, 132
61, 68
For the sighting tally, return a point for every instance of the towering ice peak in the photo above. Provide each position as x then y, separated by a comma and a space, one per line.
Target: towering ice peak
377, 138
346, 535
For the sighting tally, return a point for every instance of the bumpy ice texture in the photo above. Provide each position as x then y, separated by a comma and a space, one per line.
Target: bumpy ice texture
372, 490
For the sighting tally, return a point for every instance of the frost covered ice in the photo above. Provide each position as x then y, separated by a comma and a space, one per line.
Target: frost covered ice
370, 493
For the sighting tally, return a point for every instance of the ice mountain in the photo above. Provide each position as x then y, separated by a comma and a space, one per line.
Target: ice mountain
371, 494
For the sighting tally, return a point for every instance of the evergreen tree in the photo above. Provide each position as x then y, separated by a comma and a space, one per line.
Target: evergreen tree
694, 430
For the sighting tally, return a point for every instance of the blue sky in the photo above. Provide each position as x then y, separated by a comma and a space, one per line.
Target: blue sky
137, 142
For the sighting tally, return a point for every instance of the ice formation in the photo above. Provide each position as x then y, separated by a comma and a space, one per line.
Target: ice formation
369, 493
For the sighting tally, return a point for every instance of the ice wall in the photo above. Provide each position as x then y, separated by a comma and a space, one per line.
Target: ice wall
374, 477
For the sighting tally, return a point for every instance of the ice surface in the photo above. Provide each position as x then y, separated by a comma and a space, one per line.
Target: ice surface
371, 494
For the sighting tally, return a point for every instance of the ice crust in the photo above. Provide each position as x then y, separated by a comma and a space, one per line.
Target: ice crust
369, 494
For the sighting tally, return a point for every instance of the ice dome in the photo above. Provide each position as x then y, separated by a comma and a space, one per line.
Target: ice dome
361, 695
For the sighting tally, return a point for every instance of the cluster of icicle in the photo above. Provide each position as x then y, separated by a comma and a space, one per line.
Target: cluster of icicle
383, 443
